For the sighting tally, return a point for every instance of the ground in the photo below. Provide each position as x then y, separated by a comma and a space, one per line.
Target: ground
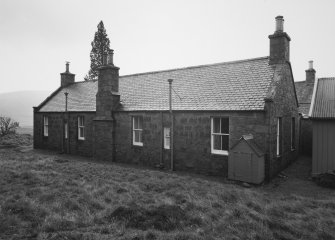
46, 195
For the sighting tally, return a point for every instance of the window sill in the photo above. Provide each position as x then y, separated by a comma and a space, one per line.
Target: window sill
137, 144
222, 153
81, 139
293, 149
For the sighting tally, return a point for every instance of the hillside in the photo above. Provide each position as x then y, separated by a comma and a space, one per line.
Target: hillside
19, 105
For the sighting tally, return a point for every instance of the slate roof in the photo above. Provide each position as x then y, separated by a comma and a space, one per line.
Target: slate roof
304, 94
238, 85
324, 99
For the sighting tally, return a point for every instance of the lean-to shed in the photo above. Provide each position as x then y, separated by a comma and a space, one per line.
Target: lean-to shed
246, 161
322, 113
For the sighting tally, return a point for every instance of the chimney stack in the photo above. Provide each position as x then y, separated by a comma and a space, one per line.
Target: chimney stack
66, 77
279, 43
107, 96
310, 73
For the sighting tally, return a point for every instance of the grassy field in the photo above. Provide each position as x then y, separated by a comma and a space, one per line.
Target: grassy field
44, 195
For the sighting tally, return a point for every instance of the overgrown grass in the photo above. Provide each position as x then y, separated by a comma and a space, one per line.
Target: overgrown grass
49, 196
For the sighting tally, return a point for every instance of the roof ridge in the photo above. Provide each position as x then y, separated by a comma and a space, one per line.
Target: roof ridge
196, 66
83, 81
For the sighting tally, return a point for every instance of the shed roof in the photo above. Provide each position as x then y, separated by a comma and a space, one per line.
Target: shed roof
323, 105
238, 85
251, 143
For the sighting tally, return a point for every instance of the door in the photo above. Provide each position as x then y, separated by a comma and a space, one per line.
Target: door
242, 167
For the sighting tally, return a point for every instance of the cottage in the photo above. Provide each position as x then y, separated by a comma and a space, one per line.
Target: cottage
322, 114
304, 91
127, 118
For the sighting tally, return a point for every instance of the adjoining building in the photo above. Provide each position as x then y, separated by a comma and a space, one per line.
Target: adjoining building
322, 114
304, 93
127, 118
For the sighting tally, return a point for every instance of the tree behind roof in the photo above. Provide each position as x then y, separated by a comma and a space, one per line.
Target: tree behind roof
100, 45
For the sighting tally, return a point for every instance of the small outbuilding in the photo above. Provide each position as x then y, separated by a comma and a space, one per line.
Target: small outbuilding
246, 161
322, 113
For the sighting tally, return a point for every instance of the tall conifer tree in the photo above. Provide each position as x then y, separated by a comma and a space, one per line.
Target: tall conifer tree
100, 45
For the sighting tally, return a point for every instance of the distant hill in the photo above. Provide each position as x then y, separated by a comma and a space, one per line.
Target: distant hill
19, 105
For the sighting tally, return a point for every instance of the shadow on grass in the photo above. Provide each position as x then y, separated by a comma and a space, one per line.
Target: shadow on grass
163, 218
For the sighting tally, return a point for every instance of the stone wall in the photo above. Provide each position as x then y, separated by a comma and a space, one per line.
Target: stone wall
55, 139
282, 104
192, 139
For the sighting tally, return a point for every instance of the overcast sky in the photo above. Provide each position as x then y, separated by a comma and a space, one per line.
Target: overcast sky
38, 36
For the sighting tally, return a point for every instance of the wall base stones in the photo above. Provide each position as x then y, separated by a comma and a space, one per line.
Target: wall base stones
103, 133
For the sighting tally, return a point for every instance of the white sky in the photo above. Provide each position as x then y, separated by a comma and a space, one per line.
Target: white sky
38, 36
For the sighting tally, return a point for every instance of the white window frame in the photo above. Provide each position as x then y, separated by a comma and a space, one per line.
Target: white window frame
45, 126
278, 137
216, 151
293, 143
81, 126
140, 130
66, 129
167, 138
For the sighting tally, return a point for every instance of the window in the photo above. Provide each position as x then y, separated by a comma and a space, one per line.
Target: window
81, 128
293, 134
279, 136
137, 131
220, 136
45, 126
167, 138
65, 130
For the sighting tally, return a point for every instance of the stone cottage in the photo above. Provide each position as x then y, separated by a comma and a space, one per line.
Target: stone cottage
127, 118
304, 91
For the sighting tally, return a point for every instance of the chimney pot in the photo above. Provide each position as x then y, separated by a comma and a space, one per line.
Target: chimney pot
110, 57
104, 59
310, 64
67, 69
279, 24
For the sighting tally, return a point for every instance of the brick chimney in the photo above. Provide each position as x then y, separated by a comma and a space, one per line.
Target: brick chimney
107, 97
310, 73
279, 43
66, 77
